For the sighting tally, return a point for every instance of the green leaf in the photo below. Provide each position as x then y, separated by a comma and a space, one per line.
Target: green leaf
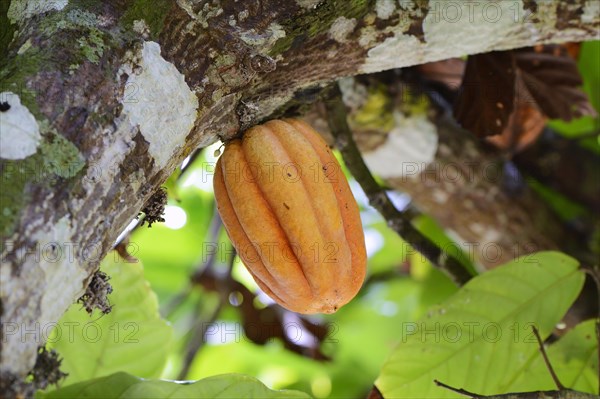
123, 385
480, 338
131, 338
574, 358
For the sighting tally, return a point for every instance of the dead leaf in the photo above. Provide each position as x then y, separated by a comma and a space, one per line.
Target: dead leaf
486, 97
542, 82
525, 125
551, 76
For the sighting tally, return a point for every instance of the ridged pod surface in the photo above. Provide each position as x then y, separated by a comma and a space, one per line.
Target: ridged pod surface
291, 216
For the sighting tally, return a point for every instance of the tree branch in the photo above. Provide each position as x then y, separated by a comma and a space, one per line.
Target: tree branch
378, 198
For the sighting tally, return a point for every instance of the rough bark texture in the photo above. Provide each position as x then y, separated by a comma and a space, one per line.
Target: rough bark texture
120, 92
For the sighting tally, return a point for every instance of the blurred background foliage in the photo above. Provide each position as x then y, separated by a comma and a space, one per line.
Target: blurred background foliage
361, 333
343, 354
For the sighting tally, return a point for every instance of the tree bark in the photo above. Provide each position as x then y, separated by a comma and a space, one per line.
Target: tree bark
101, 101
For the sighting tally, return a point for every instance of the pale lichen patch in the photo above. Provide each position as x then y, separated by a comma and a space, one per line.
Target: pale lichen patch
391, 49
308, 4
445, 29
26, 46
60, 257
51, 275
163, 106
354, 94
341, 28
60, 156
262, 42
440, 196
242, 15
410, 146
385, 8
20, 10
140, 26
591, 11
92, 46
187, 7
19, 131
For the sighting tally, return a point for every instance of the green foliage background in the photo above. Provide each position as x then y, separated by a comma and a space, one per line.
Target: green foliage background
371, 339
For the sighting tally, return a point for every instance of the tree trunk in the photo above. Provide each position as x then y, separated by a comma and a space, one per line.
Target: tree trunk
102, 100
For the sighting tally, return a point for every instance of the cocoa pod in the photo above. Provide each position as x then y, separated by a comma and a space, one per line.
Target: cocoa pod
291, 216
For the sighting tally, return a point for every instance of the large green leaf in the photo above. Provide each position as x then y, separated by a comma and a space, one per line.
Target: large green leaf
480, 339
131, 338
574, 357
123, 385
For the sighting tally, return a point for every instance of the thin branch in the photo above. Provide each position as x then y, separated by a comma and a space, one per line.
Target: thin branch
557, 382
457, 390
197, 339
560, 394
174, 303
378, 198
213, 233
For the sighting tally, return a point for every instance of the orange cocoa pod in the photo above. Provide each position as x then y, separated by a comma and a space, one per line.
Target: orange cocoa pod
291, 216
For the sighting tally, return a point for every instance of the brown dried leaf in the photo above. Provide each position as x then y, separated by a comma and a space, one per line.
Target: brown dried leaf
551, 76
542, 77
525, 125
486, 97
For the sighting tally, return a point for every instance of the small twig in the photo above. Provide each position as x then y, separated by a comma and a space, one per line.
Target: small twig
457, 390
213, 234
197, 339
198, 331
231, 261
557, 382
175, 302
378, 198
